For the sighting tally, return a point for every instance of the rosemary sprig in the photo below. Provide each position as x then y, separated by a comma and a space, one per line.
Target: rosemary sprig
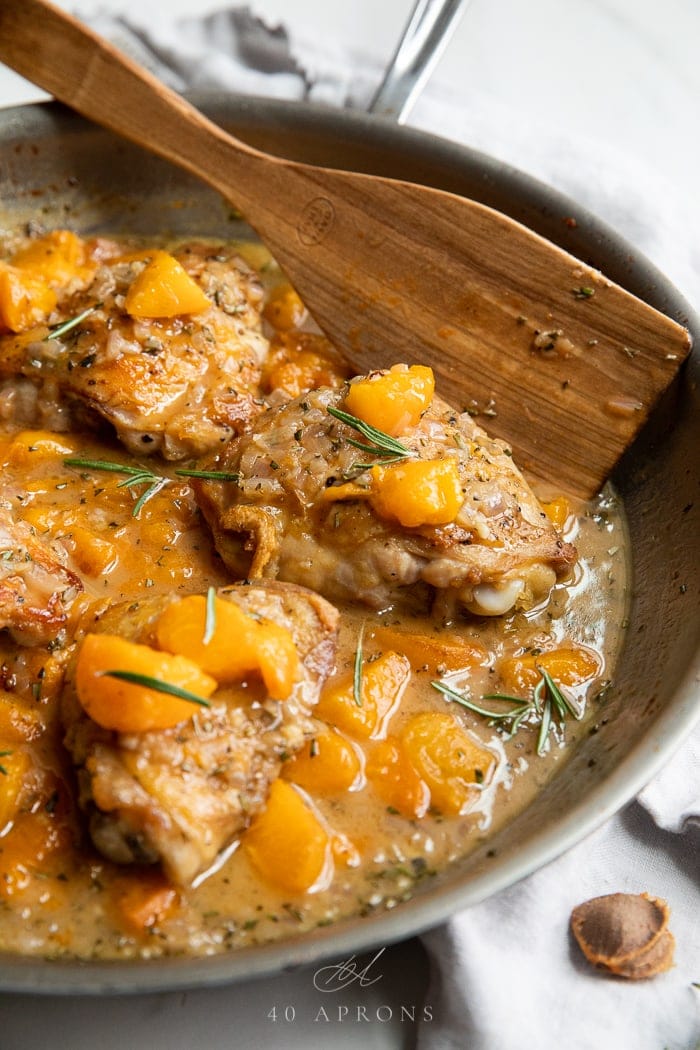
134, 476
381, 444
145, 476
357, 671
157, 685
60, 330
547, 701
210, 618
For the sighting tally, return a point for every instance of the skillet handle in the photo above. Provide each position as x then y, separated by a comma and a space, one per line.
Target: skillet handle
427, 33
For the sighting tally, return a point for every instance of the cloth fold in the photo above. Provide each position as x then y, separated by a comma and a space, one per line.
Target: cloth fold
505, 974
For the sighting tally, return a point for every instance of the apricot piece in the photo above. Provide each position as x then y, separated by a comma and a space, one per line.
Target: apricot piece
417, 492
327, 764
392, 401
436, 653
284, 308
446, 758
239, 643
58, 257
164, 289
142, 900
30, 848
25, 299
558, 511
395, 780
287, 843
14, 766
18, 724
301, 361
131, 708
568, 667
92, 554
383, 684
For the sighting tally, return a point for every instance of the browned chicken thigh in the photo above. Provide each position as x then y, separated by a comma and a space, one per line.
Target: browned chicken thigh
180, 795
36, 588
178, 385
321, 504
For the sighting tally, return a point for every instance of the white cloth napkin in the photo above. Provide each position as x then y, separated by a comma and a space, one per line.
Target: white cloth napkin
505, 975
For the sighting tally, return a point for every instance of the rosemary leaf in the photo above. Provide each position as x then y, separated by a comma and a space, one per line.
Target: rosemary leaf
381, 444
66, 326
544, 726
210, 619
134, 476
562, 703
211, 475
357, 672
459, 698
158, 686
157, 485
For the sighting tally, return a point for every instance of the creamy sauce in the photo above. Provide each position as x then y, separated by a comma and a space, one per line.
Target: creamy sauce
63, 900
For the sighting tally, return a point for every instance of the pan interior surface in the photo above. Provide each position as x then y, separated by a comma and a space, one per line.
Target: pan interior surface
70, 173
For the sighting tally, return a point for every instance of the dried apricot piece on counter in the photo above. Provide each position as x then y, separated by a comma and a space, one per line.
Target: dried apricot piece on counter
287, 844
383, 682
239, 643
130, 707
164, 289
625, 933
392, 401
327, 764
447, 758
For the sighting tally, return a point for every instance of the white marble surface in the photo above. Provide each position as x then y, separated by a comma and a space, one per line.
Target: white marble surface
621, 72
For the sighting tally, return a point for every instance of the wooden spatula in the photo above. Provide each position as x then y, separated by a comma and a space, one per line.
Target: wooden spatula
567, 364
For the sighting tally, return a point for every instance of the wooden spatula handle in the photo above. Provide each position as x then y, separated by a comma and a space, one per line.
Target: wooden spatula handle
63, 57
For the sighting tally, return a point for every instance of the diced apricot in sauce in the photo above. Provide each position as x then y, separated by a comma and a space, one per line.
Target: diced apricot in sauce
58, 257
287, 844
91, 553
143, 900
284, 308
384, 681
239, 644
437, 653
568, 667
31, 847
327, 764
25, 299
417, 492
301, 361
30, 447
395, 780
558, 511
18, 724
446, 758
129, 708
164, 289
14, 766
392, 401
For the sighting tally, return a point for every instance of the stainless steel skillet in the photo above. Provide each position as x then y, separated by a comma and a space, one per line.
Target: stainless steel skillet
59, 166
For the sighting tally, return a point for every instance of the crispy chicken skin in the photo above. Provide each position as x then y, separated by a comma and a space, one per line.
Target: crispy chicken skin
179, 796
177, 386
36, 588
278, 521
